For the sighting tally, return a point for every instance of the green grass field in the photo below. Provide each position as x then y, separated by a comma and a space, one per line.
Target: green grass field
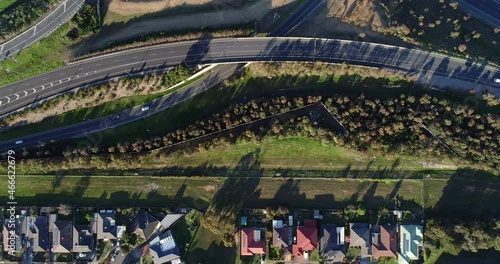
47, 54
208, 248
4, 4
298, 154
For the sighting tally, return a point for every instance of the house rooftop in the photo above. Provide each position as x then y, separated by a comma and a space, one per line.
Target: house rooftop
106, 224
163, 249
253, 241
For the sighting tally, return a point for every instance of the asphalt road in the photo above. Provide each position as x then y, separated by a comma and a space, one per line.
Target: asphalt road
79, 130
297, 17
43, 28
427, 65
486, 10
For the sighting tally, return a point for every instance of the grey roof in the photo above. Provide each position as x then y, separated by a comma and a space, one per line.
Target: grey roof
39, 232
106, 225
83, 239
163, 248
144, 224
282, 239
170, 219
62, 235
360, 237
330, 250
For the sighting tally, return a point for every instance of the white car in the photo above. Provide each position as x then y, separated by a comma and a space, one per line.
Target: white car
497, 80
145, 108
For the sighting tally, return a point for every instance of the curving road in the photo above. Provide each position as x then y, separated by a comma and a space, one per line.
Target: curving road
43, 28
82, 129
426, 65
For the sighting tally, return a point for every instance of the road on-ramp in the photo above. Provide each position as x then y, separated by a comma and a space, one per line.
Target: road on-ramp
43, 28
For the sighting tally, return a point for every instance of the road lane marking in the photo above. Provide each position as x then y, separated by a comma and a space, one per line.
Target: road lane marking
17, 96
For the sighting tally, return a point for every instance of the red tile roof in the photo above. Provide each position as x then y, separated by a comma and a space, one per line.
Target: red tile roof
387, 244
307, 238
249, 246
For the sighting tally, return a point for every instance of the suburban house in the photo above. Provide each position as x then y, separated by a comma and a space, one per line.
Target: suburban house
83, 241
163, 249
282, 239
410, 239
253, 241
39, 234
333, 248
307, 240
384, 241
62, 235
16, 228
360, 237
106, 224
144, 225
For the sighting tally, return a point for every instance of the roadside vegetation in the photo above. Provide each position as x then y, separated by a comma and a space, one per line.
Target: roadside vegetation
17, 16
94, 102
408, 124
51, 52
55, 112
442, 26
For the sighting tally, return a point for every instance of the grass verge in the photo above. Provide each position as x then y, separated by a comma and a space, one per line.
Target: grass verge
47, 54
4, 4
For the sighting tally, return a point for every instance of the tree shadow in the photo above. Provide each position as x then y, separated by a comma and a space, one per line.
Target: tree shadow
468, 194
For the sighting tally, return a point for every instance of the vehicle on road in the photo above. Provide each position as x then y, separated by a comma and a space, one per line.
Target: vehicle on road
145, 108
115, 117
497, 80
19, 142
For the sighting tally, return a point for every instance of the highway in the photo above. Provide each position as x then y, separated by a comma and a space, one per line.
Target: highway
297, 17
43, 28
486, 10
424, 64
82, 129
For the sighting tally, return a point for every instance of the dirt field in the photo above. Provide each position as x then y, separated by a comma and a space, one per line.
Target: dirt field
349, 19
223, 16
138, 8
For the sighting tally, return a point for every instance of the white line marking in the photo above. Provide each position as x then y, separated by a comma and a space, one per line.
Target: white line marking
25, 93
34, 90
17, 96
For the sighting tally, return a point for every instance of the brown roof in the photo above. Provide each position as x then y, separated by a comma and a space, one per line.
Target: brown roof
384, 241
282, 240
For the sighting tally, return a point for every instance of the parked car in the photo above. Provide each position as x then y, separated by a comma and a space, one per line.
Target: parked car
497, 80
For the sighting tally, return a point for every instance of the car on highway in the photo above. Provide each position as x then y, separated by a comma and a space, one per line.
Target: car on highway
497, 80
115, 117
145, 108
19, 142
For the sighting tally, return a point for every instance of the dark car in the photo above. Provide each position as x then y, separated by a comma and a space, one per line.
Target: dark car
115, 117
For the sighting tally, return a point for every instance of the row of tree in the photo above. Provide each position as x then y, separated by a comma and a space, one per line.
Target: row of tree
453, 237
410, 125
